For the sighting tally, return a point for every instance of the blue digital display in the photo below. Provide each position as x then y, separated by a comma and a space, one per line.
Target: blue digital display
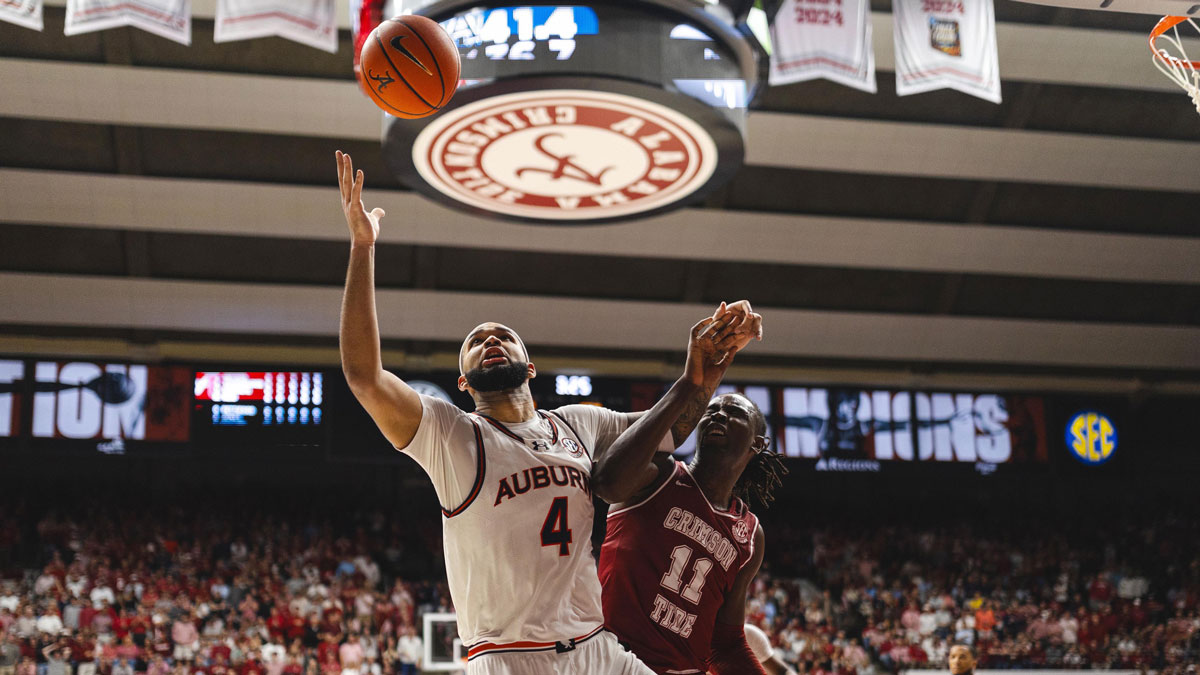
601, 39
492, 30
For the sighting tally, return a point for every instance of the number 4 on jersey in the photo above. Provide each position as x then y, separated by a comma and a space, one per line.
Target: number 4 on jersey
555, 531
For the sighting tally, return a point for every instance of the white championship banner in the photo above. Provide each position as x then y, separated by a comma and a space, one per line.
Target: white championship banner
814, 39
27, 13
309, 22
944, 44
171, 19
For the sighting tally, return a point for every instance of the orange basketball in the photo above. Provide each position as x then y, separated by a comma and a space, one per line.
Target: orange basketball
409, 66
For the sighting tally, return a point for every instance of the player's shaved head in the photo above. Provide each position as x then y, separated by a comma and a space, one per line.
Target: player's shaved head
485, 328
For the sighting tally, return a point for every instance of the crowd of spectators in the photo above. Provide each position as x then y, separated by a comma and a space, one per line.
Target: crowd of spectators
193, 593
243, 590
1030, 594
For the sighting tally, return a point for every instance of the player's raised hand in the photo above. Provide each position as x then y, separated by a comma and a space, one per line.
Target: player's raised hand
712, 340
747, 326
364, 226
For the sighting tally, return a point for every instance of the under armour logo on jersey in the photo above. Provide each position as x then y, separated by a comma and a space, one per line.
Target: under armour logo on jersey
539, 445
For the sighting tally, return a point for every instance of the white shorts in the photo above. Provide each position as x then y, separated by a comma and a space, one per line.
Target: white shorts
601, 655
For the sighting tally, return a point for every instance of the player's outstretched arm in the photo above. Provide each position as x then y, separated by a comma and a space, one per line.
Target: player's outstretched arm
394, 405
746, 326
731, 654
628, 465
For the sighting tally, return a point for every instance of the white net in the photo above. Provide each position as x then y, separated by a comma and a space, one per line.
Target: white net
1170, 55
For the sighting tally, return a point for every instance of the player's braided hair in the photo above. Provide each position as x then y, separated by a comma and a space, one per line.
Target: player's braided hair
765, 471
762, 475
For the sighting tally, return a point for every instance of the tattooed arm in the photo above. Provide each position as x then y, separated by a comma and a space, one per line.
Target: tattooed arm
631, 464
746, 325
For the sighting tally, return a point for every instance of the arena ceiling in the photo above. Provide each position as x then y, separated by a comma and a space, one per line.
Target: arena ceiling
170, 201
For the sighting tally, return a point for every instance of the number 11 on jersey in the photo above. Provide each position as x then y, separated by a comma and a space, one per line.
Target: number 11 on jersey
674, 577
666, 613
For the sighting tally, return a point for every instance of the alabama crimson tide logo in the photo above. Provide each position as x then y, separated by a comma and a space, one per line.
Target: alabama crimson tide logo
565, 154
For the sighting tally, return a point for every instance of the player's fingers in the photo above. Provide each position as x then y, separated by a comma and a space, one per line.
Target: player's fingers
741, 307
715, 326
729, 327
728, 343
341, 178
356, 193
378, 213
720, 310
699, 327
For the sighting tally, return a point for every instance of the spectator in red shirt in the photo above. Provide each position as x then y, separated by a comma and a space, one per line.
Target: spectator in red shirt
330, 665
220, 666
1100, 591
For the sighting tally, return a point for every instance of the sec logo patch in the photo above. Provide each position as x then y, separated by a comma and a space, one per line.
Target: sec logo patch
572, 447
741, 532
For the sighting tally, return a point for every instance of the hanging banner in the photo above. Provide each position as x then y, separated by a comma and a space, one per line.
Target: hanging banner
365, 15
309, 22
814, 39
946, 44
27, 13
171, 19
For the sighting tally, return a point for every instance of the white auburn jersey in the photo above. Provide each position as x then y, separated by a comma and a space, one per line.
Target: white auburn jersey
517, 522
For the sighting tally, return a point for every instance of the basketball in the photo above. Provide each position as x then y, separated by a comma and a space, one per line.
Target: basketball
410, 66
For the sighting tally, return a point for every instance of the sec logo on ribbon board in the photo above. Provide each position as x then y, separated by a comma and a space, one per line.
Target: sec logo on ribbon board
1091, 437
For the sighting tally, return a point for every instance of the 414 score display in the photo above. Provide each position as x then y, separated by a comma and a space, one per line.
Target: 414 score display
489, 33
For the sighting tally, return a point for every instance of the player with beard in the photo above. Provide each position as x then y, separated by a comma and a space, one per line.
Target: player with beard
682, 547
514, 482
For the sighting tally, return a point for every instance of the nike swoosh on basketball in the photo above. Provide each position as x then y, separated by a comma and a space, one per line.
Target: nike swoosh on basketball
399, 46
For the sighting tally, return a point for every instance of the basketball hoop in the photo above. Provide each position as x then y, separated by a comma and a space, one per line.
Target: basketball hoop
1171, 59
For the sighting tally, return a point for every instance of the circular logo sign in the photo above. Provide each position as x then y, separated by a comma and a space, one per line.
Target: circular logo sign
1091, 437
565, 154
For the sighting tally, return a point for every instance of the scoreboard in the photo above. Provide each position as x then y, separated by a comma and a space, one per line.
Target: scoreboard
608, 40
260, 398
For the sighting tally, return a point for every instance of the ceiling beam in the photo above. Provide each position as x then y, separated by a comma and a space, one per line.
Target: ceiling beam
606, 325
251, 209
951, 151
137, 96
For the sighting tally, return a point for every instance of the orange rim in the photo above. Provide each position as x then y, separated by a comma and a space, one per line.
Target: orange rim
1164, 25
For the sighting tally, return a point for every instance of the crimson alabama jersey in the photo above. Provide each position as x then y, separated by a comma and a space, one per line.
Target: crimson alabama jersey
666, 566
